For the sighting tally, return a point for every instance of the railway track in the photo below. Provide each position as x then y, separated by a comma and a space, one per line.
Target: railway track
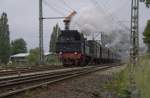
10, 71
16, 84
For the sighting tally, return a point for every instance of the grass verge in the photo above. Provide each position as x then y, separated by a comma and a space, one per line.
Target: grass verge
120, 81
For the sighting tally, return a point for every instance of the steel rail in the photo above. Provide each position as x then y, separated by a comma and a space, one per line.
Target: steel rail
11, 71
23, 75
47, 79
35, 77
25, 70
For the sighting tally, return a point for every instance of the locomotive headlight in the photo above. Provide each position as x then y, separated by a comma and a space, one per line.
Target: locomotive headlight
75, 53
60, 53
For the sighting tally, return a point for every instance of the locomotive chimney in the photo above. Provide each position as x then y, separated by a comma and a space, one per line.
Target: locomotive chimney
68, 19
67, 24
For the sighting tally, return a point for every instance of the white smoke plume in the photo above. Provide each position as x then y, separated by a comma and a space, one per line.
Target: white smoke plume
91, 20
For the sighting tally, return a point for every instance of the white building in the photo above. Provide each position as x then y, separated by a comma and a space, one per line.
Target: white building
22, 57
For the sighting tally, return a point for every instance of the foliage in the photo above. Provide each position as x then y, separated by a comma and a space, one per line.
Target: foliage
4, 39
53, 59
142, 76
54, 35
118, 85
147, 3
120, 81
34, 56
18, 46
147, 35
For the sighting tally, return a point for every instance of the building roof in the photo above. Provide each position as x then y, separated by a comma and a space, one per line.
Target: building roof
20, 55
27, 54
48, 53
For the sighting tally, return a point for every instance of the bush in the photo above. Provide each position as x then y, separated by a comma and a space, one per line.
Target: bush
34, 56
118, 85
53, 59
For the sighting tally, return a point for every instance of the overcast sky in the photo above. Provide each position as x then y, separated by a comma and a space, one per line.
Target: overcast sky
23, 15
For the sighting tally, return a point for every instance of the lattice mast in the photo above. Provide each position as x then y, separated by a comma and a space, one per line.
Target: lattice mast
134, 49
134, 52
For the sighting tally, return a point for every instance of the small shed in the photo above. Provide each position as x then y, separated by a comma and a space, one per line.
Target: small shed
22, 57
19, 58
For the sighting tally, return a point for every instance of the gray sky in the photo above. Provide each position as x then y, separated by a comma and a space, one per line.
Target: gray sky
23, 15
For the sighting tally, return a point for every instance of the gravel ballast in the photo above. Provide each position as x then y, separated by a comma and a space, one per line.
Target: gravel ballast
87, 86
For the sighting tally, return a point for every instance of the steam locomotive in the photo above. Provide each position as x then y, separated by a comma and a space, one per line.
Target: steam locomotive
75, 50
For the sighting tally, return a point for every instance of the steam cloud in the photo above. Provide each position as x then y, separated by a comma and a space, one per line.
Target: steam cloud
90, 21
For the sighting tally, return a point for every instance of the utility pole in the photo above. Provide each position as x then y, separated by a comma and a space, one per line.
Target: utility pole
134, 32
41, 32
134, 49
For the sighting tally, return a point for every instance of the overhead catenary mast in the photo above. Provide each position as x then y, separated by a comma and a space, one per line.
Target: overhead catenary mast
134, 32
41, 18
41, 32
134, 49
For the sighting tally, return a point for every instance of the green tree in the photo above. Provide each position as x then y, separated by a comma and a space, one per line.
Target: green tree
34, 56
147, 2
4, 39
147, 35
53, 40
18, 46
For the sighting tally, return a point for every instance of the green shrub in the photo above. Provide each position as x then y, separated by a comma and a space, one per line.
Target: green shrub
118, 85
53, 59
34, 56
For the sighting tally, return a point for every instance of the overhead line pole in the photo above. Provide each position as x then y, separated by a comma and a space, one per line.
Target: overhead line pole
135, 31
41, 18
134, 49
41, 32
134, 37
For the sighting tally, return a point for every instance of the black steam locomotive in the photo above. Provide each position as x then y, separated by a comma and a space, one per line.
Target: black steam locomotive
73, 49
